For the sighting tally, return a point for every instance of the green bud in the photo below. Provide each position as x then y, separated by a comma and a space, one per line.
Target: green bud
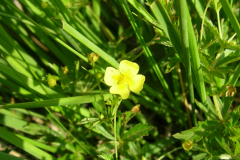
101, 116
52, 80
187, 145
93, 57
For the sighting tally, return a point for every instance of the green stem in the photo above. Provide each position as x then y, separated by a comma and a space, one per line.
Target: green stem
115, 124
203, 20
169, 153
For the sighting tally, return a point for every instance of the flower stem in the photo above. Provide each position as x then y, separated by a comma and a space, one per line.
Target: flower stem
115, 124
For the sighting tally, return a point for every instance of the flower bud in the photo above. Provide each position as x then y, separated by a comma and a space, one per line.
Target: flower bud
93, 57
187, 145
136, 109
101, 116
51, 80
65, 69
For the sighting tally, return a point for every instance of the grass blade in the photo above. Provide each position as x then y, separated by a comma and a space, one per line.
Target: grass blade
59, 101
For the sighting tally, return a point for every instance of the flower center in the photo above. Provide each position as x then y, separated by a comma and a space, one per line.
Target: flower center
122, 78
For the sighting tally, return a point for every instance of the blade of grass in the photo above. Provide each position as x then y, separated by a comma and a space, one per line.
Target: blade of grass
47, 32
29, 83
195, 60
27, 147
164, 19
59, 101
87, 42
150, 58
185, 46
38, 144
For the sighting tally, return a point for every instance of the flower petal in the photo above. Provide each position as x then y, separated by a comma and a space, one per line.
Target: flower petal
121, 89
130, 67
136, 85
109, 76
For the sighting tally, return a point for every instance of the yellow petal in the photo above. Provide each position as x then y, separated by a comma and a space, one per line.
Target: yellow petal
136, 84
110, 76
120, 89
129, 67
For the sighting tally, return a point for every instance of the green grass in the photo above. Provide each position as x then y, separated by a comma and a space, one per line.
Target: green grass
188, 52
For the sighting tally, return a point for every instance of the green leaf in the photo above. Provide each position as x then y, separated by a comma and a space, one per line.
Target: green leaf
197, 133
235, 115
59, 101
163, 41
200, 156
105, 147
104, 132
137, 131
228, 56
88, 120
106, 156
207, 111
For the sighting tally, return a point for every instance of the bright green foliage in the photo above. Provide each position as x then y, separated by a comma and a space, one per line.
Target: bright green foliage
54, 103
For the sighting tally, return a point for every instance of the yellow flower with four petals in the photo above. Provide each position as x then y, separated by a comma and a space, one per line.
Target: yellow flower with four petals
125, 79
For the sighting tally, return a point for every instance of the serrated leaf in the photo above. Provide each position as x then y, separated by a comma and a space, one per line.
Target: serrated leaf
105, 147
200, 156
225, 69
235, 117
217, 74
228, 56
137, 131
104, 132
106, 156
185, 135
197, 133
227, 101
163, 41
211, 27
207, 111
205, 61
88, 120
221, 141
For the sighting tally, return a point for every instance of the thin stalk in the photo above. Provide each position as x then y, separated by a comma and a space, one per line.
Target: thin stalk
175, 149
184, 96
203, 20
215, 101
115, 124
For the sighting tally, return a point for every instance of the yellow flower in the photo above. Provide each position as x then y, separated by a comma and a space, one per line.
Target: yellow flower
125, 79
